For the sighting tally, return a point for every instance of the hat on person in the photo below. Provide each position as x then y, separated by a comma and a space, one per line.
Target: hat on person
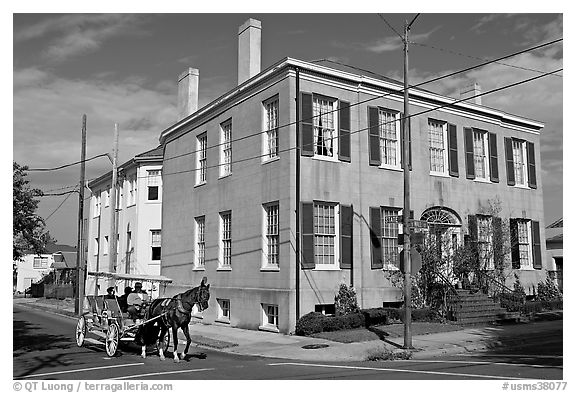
138, 285
110, 289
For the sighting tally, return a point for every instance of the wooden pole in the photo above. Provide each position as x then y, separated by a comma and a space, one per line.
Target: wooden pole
80, 263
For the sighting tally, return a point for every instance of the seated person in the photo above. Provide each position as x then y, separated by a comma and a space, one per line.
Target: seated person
110, 293
136, 301
123, 300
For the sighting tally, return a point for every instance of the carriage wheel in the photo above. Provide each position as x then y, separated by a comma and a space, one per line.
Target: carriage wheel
80, 331
164, 343
112, 339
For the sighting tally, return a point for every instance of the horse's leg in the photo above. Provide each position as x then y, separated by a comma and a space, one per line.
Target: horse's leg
163, 332
188, 339
175, 337
143, 354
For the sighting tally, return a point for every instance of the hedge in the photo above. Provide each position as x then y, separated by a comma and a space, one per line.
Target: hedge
316, 322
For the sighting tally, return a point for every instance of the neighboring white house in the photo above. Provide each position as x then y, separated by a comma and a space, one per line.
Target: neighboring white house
139, 214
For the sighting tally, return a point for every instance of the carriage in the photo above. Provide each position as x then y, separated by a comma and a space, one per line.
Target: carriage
105, 319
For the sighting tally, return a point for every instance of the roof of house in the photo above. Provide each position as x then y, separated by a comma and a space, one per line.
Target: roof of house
64, 260
559, 223
559, 238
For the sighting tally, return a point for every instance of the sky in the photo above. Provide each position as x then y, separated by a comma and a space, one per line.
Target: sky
123, 68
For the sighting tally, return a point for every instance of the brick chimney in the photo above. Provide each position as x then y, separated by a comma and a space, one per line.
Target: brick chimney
188, 92
249, 48
470, 91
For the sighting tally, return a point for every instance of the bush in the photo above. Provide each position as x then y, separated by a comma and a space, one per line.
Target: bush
424, 315
375, 316
531, 308
511, 301
343, 322
309, 324
548, 290
394, 314
345, 301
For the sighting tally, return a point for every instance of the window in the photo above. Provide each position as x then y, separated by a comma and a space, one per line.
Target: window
131, 192
519, 159
40, 262
437, 138
156, 244
105, 246
200, 242
154, 181
223, 310
97, 204
324, 126
96, 246
107, 198
226, 148
326, 309
389, 232
325, 234
271, 128
485, 252
201, 148
389, 137
480, 143
226, 239
524, 244
270, 316
271, 235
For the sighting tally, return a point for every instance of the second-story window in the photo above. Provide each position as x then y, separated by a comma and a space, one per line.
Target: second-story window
271, 128
154, 180
97, 204
480, 154
201, 148
519, 157
226, 148
437, 138
324, 126
389, 137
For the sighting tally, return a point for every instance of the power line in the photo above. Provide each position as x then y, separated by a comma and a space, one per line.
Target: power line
390, 26
480, 58
65, 166
379, 124
60, 194
59, 206
373, 98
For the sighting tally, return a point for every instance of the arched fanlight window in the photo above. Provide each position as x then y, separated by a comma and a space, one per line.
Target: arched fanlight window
441, 216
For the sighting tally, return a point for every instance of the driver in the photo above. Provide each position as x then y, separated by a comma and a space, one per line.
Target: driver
136, 301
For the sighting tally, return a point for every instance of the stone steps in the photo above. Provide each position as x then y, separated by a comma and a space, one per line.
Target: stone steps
476, 309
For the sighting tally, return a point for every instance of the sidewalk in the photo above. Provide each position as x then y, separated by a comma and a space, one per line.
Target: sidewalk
251, 342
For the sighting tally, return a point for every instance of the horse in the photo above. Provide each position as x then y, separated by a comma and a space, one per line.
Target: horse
172, 314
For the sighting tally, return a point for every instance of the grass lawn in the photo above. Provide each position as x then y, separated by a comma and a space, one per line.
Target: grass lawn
383, 331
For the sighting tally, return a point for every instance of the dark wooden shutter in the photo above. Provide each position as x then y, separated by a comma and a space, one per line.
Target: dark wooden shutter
473, 236
493, 153
376, 238
307, 213
344, 132
514, 245
509, 161
307, 126
531, 165
536, 249
373, 137
346, 216
452, 150
469, 153
497, 241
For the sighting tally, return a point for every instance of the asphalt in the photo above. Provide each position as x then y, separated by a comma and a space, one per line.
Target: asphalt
229, 339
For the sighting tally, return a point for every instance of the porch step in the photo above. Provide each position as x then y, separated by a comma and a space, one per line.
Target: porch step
476, 308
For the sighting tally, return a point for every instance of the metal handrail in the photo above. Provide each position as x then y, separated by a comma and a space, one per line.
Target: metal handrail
493, 280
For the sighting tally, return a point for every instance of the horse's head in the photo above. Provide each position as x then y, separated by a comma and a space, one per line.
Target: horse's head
203, 295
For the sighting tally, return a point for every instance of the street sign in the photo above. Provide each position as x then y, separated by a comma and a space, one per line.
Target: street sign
392, 219
415, 261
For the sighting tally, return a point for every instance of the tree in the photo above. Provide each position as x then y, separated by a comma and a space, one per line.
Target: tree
28, 228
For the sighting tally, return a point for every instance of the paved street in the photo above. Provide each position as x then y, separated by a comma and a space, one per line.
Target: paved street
44, 348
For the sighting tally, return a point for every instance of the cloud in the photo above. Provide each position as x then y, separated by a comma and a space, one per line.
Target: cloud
487, 19
73, 35
392, 43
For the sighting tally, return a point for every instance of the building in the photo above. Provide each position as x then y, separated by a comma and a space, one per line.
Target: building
139, 220
229, 179
555, 251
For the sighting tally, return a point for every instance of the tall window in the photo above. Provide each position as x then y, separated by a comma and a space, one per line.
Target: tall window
201, 148
96, 246
272, 234
437, 138
226, 239
324, 126
131, 191
519, 157
485, 253
324, 234
390, 237
105, 246
524, 243
154, 181
271, 128
200, 242
107, 198
226, 148
97, 205
156, 244
480, 140
389, 137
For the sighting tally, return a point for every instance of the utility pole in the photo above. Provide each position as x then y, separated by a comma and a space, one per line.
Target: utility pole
80, 265
406, 210
112, 242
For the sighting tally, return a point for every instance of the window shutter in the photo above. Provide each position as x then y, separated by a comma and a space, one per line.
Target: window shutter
344, 132
373, 137
375, 238
473, 236
307, 213
497, 241
514, 246
452, 150
469, 152
346, 215
493, 153
531, 165
509, 161
536, 250
306, 126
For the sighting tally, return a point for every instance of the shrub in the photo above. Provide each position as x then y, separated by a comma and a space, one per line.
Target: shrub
394, 314
375, 316
342, 322
309, 324
531, 308
511, 301
548, 290
383, 353
425, 315
345, 300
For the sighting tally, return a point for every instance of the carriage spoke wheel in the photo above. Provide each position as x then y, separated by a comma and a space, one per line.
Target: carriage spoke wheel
112, 338
80, 331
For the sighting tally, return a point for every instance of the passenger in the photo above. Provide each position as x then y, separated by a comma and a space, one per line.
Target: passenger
136, 301
110, 293
123, 300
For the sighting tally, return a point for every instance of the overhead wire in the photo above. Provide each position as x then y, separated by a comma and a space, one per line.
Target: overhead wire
59, 206
65, 166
